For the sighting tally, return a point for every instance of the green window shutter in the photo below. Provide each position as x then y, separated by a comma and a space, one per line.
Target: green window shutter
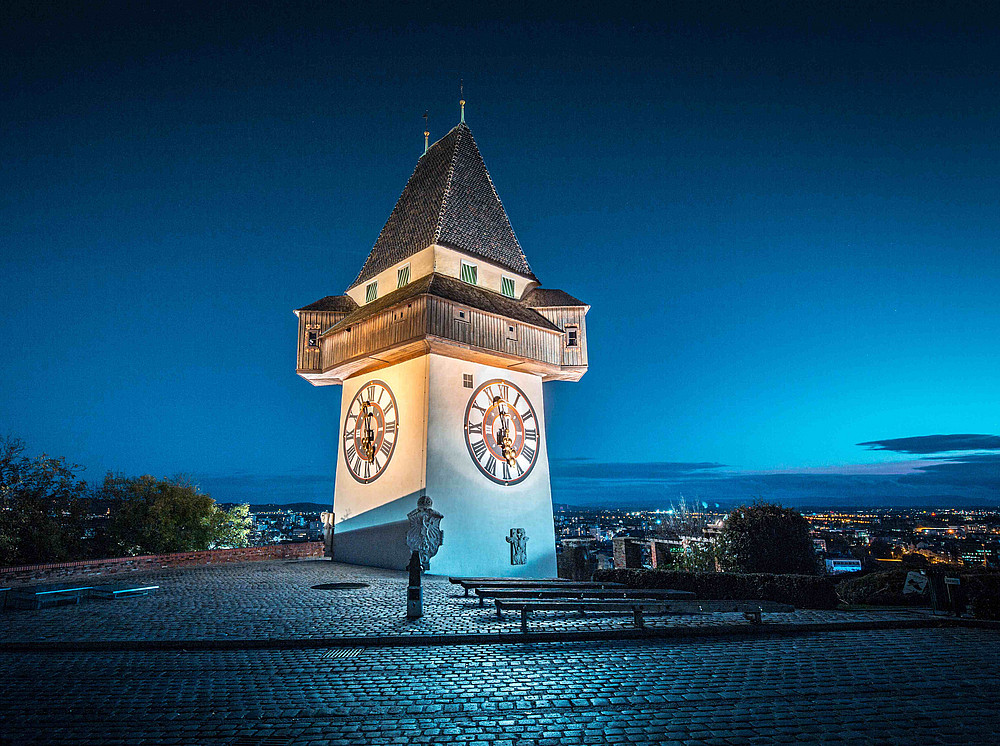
469, 273
402, 276
507, 286
371, 292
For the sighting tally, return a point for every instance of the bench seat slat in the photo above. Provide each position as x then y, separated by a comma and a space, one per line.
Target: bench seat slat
750, 609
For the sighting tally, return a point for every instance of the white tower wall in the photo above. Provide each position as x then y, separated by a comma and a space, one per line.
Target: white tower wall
432, 458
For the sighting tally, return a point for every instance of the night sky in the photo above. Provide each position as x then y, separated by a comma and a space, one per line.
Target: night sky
784, 217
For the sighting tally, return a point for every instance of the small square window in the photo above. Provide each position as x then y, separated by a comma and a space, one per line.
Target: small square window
313, 339
470, 273
467, 380
507, 287
462, 314
371, 292
572, 336
402, 276
511, 332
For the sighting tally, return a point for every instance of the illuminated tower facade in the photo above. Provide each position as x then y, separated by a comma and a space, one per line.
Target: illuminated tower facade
442, 345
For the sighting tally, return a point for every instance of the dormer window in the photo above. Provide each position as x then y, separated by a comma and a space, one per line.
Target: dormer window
403, 275
312, 335
507, 287
371, 292
572, 336
470, 273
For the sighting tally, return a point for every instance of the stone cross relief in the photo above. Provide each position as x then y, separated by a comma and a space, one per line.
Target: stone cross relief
518, 541
424, 535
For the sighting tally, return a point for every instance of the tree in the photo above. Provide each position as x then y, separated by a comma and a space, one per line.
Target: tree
160, 516
765, 537
700, 556
42, 507
232, 528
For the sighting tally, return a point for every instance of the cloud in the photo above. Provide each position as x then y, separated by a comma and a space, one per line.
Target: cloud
971, 470
968, 480
928, 444
574, 468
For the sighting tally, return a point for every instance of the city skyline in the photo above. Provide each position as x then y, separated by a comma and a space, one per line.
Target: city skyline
784, 226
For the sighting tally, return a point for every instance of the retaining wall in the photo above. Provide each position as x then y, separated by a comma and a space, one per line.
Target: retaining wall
88, 568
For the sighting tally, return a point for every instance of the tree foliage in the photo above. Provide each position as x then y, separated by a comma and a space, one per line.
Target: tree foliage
147, 515
49, 514
765, 537
700, 556
42, 507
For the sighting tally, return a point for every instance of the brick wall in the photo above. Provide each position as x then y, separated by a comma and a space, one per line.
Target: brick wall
87, 568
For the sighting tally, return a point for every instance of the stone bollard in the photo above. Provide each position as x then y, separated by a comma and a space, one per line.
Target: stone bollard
414, 593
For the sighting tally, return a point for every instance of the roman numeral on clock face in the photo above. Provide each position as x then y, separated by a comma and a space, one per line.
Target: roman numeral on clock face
479, 448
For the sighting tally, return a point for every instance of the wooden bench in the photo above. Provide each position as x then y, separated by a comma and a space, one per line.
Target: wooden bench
38, 596
119, 591
532, 584
596, 594
750, 609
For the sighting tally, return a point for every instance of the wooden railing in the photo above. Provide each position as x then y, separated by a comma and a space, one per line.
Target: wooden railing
425, 316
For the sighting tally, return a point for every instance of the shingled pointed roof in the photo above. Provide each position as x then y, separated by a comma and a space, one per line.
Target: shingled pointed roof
449, 200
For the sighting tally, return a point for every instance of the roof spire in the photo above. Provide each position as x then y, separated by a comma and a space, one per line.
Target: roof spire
427, 132
461, 97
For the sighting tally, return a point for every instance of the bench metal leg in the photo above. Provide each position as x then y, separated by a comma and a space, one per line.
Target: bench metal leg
466, 592
524, 620
499, 612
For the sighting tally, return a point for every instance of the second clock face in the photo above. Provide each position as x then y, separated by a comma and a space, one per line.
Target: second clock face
501, 432
370, 430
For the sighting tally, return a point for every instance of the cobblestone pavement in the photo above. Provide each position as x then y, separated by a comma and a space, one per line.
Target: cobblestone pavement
918, 686
275, 600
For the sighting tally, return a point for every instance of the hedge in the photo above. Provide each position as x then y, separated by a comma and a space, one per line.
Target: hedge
801, 591
880, 589
983, 594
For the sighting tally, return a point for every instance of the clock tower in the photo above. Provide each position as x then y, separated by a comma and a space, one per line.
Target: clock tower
442, 345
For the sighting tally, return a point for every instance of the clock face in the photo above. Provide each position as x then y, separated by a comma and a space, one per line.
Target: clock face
501, 432
370, 431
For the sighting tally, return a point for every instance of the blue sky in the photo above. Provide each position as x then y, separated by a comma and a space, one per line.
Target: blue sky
783, 217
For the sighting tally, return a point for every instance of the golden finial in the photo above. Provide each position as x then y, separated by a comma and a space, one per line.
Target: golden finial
461, 97
427, 132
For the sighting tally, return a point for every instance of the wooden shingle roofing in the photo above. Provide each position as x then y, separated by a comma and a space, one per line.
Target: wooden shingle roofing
456, 291
550, 298
449, 200
336, 303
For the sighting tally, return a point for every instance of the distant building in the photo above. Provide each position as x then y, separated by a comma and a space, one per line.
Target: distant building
839, 566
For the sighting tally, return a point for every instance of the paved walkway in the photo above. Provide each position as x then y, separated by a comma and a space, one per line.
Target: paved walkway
274, 600
878, 687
